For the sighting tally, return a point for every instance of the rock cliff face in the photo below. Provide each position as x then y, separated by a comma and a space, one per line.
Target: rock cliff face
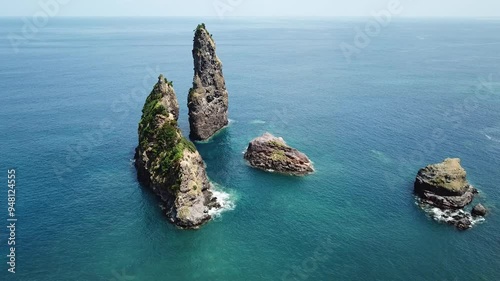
444, 186
208, 98
270, 153
170, 164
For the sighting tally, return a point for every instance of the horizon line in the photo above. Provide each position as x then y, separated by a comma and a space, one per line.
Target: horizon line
263, 17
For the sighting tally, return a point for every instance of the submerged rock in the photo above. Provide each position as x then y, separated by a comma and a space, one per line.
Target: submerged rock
170, 164
444, 187
479, 211
463, 224
270, 153
208, 98
457, 217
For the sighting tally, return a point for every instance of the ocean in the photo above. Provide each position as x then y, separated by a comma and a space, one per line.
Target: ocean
419, 91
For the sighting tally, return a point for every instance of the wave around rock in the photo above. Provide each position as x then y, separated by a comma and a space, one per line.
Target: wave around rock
443, 188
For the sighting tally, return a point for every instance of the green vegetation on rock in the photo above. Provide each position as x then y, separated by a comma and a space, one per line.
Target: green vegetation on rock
192, 93
165, 143
278, 155
276, 143
169, 163
170, 83
200, 27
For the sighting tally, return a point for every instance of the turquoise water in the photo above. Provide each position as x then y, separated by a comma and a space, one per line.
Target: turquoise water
68, 123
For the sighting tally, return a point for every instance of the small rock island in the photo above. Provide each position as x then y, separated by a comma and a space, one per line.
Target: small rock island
445, 186
170, 164
208, 98
271, 153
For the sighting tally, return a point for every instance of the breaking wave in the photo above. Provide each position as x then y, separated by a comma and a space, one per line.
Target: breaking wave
226, 199
448, 216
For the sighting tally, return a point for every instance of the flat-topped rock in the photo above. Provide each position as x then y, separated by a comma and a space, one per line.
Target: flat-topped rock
271, 153
447, 178
444, 185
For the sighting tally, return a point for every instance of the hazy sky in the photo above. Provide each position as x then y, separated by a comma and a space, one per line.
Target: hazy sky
230, 8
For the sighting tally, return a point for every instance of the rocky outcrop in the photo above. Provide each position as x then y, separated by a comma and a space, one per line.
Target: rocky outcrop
463, 223
170, 164
479, 211
270, 153
208, 98
445, 186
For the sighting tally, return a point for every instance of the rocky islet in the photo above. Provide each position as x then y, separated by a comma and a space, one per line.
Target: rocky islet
271, 153
208, 97
443, 189
170, 164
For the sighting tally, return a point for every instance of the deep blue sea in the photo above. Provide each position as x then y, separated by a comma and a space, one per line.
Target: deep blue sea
418, 92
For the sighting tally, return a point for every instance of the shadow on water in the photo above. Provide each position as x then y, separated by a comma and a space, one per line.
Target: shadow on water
218, 155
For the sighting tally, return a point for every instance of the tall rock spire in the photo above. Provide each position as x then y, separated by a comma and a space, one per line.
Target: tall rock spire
170, 164
208, 98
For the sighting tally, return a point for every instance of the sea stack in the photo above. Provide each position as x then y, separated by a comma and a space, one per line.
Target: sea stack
208, 98
444, 186
271, 153
170, 164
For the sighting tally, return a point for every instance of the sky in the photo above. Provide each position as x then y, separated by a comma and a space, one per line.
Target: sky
251, 8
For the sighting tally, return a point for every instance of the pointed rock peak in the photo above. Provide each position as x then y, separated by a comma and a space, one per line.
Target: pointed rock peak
161, 104
201, 27
161, 79
203, 40
208, 98
201, 31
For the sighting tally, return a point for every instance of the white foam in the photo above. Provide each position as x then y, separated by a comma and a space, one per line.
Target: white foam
258, 122
491, 138
226, 200
446, 216
381, 156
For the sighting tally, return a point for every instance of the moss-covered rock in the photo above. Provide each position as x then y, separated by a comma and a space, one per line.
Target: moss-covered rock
444, 187
169, 163
447, 178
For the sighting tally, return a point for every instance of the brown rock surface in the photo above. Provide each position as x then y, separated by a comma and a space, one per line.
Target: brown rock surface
270, 153
208, 98
170, 164
444, 185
